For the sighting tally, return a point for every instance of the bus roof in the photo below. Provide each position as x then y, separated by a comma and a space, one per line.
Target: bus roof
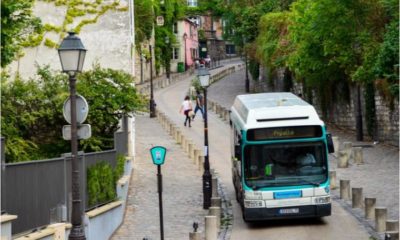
276, 109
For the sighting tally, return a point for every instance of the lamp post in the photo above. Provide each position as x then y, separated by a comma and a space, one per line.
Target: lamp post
247, 83
167, 60
72, 55
152, 103
184, 39
204, 77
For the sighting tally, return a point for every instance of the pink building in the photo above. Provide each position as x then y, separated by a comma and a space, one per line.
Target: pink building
186, 50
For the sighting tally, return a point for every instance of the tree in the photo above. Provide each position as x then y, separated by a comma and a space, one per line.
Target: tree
17, 23
32, 111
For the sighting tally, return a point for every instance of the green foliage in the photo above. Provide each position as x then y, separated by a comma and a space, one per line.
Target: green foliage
110, 96
100, 183
144, 18
254, 69
17, 24
172, 10
32, 111
50, 43
119, 169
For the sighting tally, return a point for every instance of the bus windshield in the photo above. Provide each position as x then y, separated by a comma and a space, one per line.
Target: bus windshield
285, 164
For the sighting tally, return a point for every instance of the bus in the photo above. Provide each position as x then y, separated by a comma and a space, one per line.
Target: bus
279, 157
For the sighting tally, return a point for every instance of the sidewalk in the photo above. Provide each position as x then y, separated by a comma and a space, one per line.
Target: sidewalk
182, 192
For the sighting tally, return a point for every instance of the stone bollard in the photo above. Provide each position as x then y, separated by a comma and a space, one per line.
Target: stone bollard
196, 155
183, 141
358, 155
201, 163
370, 204
216, 211
178, 136
191, 150
348, 148
392, 235
392, 225
335, 140
343, 159
380, 219
216, 202
211, 227
356, 198
345, 189
214, 185
195, 236
332, 177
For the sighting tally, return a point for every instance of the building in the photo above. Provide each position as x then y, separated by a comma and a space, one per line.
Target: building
185, 51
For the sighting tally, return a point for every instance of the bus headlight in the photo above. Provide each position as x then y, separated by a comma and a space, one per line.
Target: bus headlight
322, 200
254, 204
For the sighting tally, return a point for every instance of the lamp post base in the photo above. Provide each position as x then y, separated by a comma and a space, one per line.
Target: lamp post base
77, 233
207, 189
152, 108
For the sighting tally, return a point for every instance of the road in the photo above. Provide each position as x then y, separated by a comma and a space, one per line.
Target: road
341, 225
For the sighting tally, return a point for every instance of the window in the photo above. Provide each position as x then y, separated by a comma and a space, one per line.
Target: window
285, 164
175, 53
192, 3
175, 28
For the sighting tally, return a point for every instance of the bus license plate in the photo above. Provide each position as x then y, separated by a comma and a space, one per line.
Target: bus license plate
289, 211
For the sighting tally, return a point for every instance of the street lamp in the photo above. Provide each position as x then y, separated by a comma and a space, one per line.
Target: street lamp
72, 55
245, 62
184, 39
167, 60
152, 103
204, 77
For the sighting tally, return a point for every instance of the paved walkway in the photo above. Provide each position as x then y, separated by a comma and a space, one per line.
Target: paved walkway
182, 193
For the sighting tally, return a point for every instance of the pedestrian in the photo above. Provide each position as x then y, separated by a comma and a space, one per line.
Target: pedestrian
186, 107
199, 104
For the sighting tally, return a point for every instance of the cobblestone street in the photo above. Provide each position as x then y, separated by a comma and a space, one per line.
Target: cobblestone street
182, 192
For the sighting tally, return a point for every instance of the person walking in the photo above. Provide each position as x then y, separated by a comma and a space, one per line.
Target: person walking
186, 107
199, 105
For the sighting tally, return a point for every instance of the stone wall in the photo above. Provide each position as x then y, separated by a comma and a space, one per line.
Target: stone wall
108, 41
343, 114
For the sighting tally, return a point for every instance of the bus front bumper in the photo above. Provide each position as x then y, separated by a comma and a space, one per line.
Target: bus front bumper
258, 214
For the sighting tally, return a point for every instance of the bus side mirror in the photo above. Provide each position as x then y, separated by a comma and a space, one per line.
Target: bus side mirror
238, 152
329, 141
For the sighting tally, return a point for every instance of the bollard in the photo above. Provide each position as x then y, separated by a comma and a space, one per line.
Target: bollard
190, 152
370, 207
178, 137
211, 227
347, 147
201, 163
216, 202
380, 219
356, 198
391, 225
196, 155
195, 236
358, 155
335, 140
214, 186
183, 141
345, 189
216, 211
332, 177
392, 235
343, 160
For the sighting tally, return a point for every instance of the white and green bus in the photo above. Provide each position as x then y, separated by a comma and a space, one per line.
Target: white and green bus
279, 157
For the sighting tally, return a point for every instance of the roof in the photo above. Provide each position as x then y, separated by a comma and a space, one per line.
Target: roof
272, 110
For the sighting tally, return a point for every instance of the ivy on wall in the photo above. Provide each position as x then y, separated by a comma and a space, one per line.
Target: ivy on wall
74, 9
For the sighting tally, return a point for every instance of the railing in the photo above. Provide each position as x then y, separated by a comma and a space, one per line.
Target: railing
39, 191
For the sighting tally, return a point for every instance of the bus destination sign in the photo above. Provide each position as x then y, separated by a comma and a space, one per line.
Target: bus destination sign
284, 133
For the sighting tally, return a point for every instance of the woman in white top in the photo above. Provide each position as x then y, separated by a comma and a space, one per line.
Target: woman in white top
186, 107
